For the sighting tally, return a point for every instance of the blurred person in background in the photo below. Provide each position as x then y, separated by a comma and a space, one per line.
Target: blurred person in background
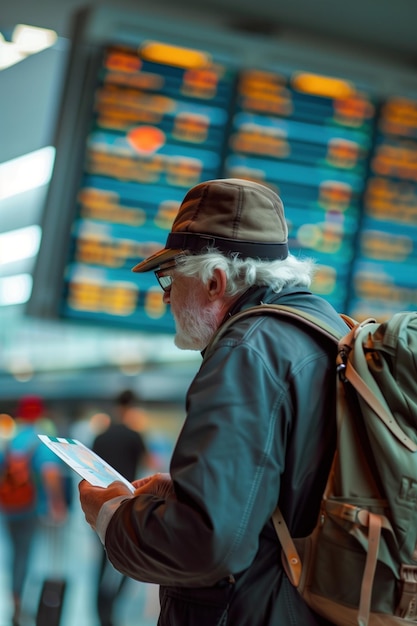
123, 447
32, 490
86, 425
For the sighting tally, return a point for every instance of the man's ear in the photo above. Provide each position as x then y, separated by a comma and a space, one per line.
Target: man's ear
216, 286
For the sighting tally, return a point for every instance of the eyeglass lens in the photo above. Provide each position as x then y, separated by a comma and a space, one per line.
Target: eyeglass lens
165, 280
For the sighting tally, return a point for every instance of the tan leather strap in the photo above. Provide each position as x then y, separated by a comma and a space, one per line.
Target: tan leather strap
368, 395
288, 547
373, 397
374, 535
354, 514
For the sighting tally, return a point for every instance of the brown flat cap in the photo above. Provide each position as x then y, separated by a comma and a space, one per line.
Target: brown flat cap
231, 214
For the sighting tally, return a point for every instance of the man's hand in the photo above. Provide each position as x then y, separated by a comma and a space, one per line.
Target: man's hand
92, 498
157, 484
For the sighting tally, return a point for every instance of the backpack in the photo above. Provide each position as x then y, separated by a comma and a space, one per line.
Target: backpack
359, 565
17, 482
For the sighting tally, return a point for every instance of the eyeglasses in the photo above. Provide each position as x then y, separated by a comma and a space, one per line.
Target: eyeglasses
165, 280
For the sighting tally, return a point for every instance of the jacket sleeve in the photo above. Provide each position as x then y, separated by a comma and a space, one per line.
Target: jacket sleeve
238, 411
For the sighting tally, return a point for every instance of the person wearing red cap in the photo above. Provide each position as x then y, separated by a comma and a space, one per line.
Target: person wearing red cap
259, 429
22, 519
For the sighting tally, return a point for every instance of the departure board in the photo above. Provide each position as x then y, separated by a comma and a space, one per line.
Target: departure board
385, 268
308, 137
161, 127
152, 118
159, 124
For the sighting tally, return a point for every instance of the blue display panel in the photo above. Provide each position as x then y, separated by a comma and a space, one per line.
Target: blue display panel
143, 120
385, 267
308, 137
158, 128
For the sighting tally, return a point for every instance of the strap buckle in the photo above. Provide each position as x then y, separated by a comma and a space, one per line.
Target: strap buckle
407, 606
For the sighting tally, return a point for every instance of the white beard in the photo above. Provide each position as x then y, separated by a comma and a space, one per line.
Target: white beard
194, 324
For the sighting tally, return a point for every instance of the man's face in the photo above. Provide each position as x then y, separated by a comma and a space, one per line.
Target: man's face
196, 317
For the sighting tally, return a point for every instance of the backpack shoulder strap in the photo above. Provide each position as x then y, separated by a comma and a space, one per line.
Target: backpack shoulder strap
290, 312
311, 320
293, 565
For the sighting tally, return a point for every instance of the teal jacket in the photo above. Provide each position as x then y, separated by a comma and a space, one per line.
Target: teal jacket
259, 428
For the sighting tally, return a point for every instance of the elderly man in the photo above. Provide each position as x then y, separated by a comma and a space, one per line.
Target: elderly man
259, 426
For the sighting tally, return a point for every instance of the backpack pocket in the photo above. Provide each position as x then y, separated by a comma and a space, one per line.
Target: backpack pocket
334, 559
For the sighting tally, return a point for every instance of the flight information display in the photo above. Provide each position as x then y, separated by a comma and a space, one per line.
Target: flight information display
160, 121
161, 118
309, 138
385, 268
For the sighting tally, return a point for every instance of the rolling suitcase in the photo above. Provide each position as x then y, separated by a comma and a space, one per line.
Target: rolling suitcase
52, 594
51, 602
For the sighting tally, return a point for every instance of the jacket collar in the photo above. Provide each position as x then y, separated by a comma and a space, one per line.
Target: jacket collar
256, 295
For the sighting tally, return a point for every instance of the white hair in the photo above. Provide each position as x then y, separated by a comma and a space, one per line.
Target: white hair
244, 273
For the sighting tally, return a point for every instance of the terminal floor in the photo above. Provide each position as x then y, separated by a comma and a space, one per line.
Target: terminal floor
73, 555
